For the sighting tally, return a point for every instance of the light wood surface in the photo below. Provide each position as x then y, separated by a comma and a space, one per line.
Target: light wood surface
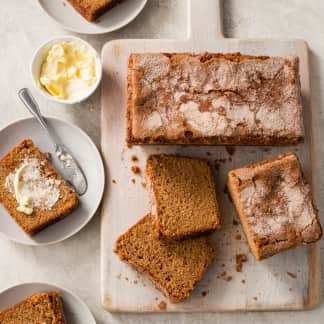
267, 285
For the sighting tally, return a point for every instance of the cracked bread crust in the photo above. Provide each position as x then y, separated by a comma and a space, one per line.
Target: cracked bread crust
275, 206
174, 267
213, 99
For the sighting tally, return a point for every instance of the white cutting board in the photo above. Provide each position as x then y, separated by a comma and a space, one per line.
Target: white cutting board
263, 285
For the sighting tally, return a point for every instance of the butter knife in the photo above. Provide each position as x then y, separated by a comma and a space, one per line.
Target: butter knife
68, 166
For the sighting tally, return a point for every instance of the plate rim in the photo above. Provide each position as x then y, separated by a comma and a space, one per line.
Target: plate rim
99, 32
55, 287
97, 205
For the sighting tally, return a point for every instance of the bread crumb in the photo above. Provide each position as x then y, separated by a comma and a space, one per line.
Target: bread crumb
133, 180
228, 278
291, 274
135, 281
204, 293
208, 153
134, 158
240, 259
230, 149
235, 222
255, 298
290, 289
114, 181
129, 145
238, 237
243, 281
162, 305
223, 265
266, 149
143, 183
135, 169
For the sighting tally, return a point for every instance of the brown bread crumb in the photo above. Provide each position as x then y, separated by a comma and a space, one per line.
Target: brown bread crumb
238, 237
113, 181
230, 149
134, 158
292, 275
162, 305
240, 259
135, 169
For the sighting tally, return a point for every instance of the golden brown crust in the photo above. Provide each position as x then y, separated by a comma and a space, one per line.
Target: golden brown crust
274, 204
183, 194
40, 218
145, 102
45, 307
174, 267
93, 9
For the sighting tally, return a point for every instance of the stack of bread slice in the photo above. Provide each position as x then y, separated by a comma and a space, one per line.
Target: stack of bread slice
170, 244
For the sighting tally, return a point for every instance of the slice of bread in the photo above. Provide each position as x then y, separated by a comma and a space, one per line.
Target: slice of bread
93, 9
183, 195
173, 266
40, 217
41, 308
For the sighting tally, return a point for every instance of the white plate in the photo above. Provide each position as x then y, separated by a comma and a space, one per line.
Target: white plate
66, 16
75, 310
89, 159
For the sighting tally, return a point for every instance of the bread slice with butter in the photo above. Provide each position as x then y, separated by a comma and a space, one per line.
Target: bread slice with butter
32, 192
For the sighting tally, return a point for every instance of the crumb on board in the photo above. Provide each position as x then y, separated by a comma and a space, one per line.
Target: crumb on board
240, 259
135, 169
143, 183
235, 222
162, 305
135, 281
243, 281
129, 145
230, 149
114, 181
133, 180
255, 298
290, 289
228, 278
266, 149
134, 158
238, 237
223, 265
208, 153
204, 293
292, 275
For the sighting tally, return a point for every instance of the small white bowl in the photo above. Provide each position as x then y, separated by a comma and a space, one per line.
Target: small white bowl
39, 57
